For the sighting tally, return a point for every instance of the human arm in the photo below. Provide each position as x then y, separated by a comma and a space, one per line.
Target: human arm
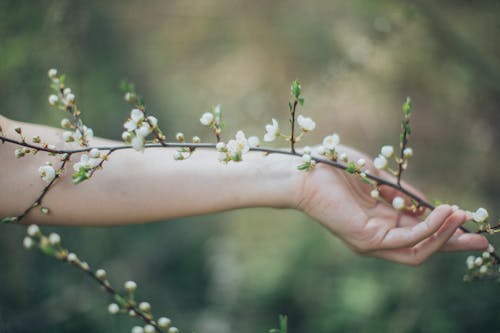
135, 187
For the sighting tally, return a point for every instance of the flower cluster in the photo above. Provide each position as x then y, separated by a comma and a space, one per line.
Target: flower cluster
481, 266
138, 128
87, 163
329, 147
235, 148
213, 119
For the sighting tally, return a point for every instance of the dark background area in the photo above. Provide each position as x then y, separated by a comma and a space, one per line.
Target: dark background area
236, 271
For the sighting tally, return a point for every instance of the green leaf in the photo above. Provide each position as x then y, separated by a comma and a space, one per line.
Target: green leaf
296, 89
81, 175
407, 106
9, 219
351, 168
283, 323
301, 101
290, 106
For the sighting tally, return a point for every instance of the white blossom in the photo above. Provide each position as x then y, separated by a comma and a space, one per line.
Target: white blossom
33, 230
137, 329
478, 261
145, 306
408, 152
387, 151
272, 131
68, 136
70, 98
126, 136
470, 262
130, 286
53, 99
100, 274
380, 162
220, 146
398, 203
149, 329
486, 255
130, 125
54, 239
144, 130
113, 308
480, 215
85, 162
238, 146
164, 322
253, 142
138, 143
47, 173
179, 137
490, 249
136, 115
196, 139
483, 269
67, 91
331, 142
306, 123
153, 121
94, 153
28, 243
306, 158
207, 118
343, 157
307, 150
361, 162
320, 150
87, 132
375, 194
65, 123
173, 330
52, 72
72, 257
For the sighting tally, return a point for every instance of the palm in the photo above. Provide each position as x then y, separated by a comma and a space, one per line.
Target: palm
342, 203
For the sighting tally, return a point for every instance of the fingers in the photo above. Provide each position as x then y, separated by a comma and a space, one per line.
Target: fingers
465, 242
419, 253
410, 235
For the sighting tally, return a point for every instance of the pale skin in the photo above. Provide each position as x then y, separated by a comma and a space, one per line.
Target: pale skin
151, 186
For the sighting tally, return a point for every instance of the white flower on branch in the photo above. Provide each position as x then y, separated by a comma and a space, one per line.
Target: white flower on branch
149, 329
220, 146
480, 215
164, 322
126, 136
144, 130
331, 142
207, 119
361, 163
380, 162
179, 137
306, 124
68, 136
375, 194
153, 121
28, 243
53, 99
67, 91
113, 308
306, 158
72, 257
88, 133
145, 306
483, 269
94, 153
470, 262
238, 146
136, 115
478, 261
138, 143
137, 329
130, 286
33, 230
173, 330
47, 173
272, 131
100, 274
130, 125
52, 72
69, 98
253, 142
387, 151
54, 239
65, 123
86, 162
398, 203
408, 152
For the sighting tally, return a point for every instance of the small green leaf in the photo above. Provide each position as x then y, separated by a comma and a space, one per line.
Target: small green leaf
290, 106
407, 106
296, 89
301, 101
283, 323
9, 219
351, 168
81, 175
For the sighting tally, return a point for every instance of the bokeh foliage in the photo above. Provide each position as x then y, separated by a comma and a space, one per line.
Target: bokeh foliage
236, 271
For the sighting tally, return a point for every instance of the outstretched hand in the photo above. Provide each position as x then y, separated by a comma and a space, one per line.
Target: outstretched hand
342, 203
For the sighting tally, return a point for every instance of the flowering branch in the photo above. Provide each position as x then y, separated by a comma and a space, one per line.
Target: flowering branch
140, 125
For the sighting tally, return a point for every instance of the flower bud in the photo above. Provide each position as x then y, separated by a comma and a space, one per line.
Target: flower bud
19, 153
220, 146
408, 152
178, 156
68, 136
100, 274
28, 243
173, 330
343, 157
72, 257
375, 194
65, 123
179, 137
53, 99
470, 262
54, 239
94, 153
196, 139
207, 118
113, 308
478, 261
153, 121
380, 162
70, 98
164, 322
130, 286
33, 230
145, 306
480, 215
387, 151
137, 329
361, 163
306, 158
486, 255
126, 136
398, 203
52, 73
483, 269
67, 91
149, 329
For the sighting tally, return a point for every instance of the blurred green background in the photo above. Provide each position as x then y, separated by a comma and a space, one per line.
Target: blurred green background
236, 271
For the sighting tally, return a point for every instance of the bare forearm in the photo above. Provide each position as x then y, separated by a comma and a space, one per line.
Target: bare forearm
134, 187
